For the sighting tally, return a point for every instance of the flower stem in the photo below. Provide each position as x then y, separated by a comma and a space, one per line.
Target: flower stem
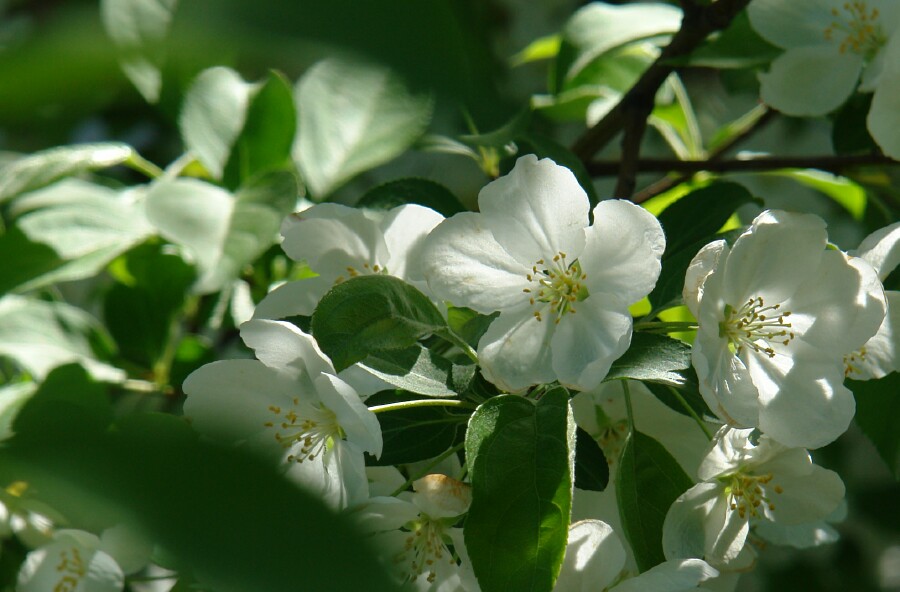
665, 326
427, 468
143, 166
691, 412
421, 403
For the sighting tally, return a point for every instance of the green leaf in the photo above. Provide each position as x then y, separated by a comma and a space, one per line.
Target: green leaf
738, 46
42, 168
414, 369
653, 358
521, 457
264, 143
598, 28
591, 468
415, 434
647, 482
850, 195
12, 398
352, 117
370, 314
689, 224
468, 324
689, 392
175, 495
213, 115
412, 190
139, 314
66, 403
39, 335
221, 232
877, 409
138, 28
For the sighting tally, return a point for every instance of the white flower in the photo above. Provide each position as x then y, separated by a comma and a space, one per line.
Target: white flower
74, 561
531, 255
290, 404
595, 559
829, 45
414, 535
340, 242
743, 483
879, 356
777, 312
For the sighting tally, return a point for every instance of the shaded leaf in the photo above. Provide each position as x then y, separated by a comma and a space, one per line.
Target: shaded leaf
653, 358
877, 409
412, 190
521, 457
591, 468
414, 369
647, 482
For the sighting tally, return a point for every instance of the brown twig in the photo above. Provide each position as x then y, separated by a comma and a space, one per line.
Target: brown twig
698, 22
828, 163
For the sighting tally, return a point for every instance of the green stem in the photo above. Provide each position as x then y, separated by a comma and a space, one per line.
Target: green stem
427, 468
422, 403
665, 326
453, 338
143, 166
628, 410
692, 413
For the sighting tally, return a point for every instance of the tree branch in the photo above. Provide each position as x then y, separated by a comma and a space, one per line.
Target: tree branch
697, 24
828, 163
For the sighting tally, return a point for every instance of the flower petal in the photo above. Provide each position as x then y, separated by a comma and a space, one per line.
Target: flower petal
404, 228
725, 382
536, 211
360, 424
293, 298
800, 536
586, 344
594, 557
881, 250
881, 352
810, 81
514, 352
670, 576
622, 254
71, 562
463, 263
703, 263
700, 524
883, 120
809, 498
792, 24
778, 252
286, 348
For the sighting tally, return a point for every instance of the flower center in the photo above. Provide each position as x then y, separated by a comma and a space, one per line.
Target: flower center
71, 569
559, 284
853, 360
746, 495
859, 25
423, 549
306, 428
756, 326
366, 269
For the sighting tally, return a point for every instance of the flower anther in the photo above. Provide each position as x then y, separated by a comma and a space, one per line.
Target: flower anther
756, 326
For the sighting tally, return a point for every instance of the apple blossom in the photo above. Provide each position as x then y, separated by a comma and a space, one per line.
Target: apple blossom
340, 242
879, 356
289, 404
74, 560
776, 314
829, 45
744, 481
532, 255
414, 534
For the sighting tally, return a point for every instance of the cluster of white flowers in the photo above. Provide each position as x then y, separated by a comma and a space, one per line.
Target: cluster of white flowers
782, 319
833, 47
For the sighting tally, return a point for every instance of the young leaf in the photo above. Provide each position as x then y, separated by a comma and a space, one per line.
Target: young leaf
468, 324
647, 482
877, 409
520, 456
415, 434
352, 116
42, 168
40, 336
213, 115
139, 313
591, 468
689, 224
367, 315
222, 232
413, 190
654, 358
138, 28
